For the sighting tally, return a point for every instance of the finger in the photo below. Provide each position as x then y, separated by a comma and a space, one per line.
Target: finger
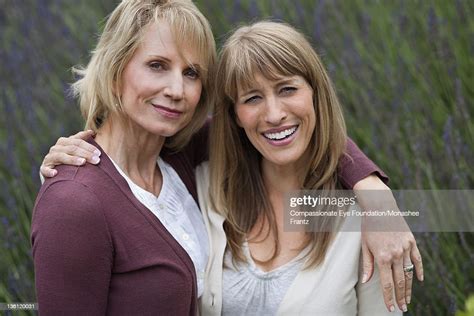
61, 158
83, 134
367, 263
65, 142
386, 280
417, 262
399, 281
408, 276
48, 172
80, 152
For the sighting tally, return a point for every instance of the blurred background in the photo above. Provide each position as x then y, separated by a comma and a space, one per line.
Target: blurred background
404, 71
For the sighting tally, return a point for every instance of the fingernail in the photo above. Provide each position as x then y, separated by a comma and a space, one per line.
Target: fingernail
422, 277
95, 159
404, 307
408, 299
364, 277
53, 173
392, 309
81, 161
97, 152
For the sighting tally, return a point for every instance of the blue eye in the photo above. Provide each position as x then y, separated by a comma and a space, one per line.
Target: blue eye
155, 65
252, 99
287, 90
191, 73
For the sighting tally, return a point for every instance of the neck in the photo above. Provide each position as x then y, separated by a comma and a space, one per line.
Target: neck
134, 150
281, 179
278, 181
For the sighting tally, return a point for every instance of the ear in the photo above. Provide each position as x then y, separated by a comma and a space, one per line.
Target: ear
117, 97
115, 89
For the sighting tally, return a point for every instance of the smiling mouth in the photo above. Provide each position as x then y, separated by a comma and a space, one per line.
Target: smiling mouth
167, 112
281, 135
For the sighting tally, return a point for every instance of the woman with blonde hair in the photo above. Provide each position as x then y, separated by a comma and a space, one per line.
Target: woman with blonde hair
277, 127
125, 237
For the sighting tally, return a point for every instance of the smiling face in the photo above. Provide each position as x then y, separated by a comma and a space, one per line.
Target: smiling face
160, 86
278, 117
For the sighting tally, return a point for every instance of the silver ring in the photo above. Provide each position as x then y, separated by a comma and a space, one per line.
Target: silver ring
408, 268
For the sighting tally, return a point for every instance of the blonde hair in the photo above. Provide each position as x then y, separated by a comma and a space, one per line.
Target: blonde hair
237, 189
117, 44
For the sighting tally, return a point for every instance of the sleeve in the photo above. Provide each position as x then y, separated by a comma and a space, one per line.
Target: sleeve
355, 166
72, 251
370, 299
198, 147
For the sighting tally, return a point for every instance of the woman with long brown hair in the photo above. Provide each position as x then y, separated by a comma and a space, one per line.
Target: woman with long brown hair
277, 127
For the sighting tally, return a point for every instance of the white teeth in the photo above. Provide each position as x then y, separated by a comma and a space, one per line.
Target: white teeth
280, 135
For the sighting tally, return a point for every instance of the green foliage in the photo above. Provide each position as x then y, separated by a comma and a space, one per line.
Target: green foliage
39, 42
469, 308
404, 71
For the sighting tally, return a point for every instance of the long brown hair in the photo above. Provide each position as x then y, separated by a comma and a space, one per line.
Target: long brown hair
236, 185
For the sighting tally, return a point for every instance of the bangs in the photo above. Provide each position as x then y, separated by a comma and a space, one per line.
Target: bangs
248, 57
190, 32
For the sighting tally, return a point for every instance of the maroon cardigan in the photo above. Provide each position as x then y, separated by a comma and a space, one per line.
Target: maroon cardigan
98, 251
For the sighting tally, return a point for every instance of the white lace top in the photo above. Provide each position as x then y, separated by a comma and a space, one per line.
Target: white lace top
179, 214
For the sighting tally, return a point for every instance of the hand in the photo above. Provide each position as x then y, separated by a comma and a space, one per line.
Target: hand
389, 242
392, 251
73, 150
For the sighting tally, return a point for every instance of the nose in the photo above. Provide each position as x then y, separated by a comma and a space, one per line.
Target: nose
275, 111
175, 87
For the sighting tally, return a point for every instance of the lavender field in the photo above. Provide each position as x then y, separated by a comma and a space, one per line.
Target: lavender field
404, 71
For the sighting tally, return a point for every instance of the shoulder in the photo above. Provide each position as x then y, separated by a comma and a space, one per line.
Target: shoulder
202, 185
67, 209
354, 166
69, 197
69, 178
67, 189
202, 174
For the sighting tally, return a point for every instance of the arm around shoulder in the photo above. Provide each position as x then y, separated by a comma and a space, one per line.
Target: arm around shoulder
355, 166
72, 251
198, 147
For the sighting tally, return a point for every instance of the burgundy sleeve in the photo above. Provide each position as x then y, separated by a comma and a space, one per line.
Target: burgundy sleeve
198, 147
355, 166
72, 251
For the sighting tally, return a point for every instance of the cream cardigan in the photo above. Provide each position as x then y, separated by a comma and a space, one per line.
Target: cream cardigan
330, 289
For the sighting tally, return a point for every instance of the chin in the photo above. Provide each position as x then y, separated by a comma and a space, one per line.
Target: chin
165, 131
285, 159
281, 161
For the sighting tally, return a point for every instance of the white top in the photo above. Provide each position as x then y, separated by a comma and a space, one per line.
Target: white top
247, 290
179, 214
332, 288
